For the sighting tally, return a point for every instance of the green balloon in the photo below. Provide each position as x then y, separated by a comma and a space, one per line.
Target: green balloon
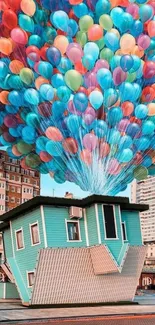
131, 77
81, 38
27, 76
24, 148
140, 173
106, 54
73, 79
32, 160
100, 43
85, 23
106, 22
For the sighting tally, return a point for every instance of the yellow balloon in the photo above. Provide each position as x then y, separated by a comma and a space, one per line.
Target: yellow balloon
151, 109
61, 43
127, 43
28, 7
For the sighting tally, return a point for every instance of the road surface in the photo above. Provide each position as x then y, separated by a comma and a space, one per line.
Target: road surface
121, 320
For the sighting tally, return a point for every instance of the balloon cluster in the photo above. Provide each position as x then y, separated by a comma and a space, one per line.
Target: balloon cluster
77, 89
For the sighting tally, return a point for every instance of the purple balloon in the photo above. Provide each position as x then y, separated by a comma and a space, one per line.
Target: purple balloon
119, 76
123, 124
143, 42
72, 109
89, 115
90, 80
101, 64
90, 141
10, 121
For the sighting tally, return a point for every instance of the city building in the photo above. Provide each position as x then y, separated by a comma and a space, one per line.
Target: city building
143, 192
17, 185
73, 251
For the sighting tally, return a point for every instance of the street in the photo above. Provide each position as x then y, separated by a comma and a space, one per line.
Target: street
115, 320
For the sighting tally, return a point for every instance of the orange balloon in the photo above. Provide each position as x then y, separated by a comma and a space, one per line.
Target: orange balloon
40, 81
45, 156
28, 7
53, 133
151, 28
127, 43
61, 43
151, 109
75, 2
137, 51
15, 151
15, 66
86, 156
6, 46
95, 32
80, 67
70, 145
104, 149
4, 97
127, 108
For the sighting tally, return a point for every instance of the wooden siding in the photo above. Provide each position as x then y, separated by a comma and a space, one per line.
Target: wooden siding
56, 228
133, 227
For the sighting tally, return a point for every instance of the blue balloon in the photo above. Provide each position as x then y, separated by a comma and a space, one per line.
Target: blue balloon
100, 128
47, 92
31, 96
96, 99
88, 61
29, 134
111, 41
53, 55
136, 63
110, 97
3, 69
141, 111
142, 143
64, 65
91, 48
80, 10
45, 69
26, 23
125, 142
104, 78
11, 109
41, 143
136, 28
113, 136
57, 80
72, 28
63, 93
35, 40
102, 7
133, 129
49, 34
15, 82
58, 109
73, 123
80, 101
145, 13
15, 98
60, 20
54, 148
147, 161
115, 14
115, 114
125, 156
148, 127
125, 22
115, 62
126, 62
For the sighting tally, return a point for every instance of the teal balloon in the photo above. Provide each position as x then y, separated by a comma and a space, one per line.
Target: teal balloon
54, 148
46, 92
104, 78
148, 127
26, 23
91, 48
3, 69
31, 96
45, 69
141, 111
125, 156
110, 97
49, 35
60, 20
15, 82
115, 115
111, 41
35, 40
96, 99
115, 14
145, 13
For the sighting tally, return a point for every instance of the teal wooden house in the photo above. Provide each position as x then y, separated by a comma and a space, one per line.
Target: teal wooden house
69, 251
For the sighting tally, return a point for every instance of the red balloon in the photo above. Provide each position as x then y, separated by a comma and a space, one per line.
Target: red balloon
9, 19
43, 51
149, 69
70, 145
148, 94
14, 4
45, 156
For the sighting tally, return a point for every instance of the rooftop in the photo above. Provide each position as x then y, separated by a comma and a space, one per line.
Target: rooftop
68, 202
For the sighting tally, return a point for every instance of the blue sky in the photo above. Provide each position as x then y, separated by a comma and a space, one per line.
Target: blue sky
49, 188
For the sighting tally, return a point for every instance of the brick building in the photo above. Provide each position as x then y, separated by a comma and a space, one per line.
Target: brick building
17, 185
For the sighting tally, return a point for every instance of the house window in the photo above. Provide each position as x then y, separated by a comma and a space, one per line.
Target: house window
18, 190
124, 231
2, 196
73, 231
109, 221
35, 238
12, 177
30, 276
19, 239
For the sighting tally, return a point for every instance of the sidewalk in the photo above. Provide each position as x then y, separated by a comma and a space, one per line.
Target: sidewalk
10, 312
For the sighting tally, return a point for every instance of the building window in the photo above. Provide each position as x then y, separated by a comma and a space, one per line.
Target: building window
34, 231
124, 231
12, 189
18, 200
18, 190
73, 231
17, 170
19, 239
2, 196
2, 185
7, 199
30, 277
17, 178
7, 187
13, 168
1, 207
12, 177
31, 173
109, 222
1, 174
12, 199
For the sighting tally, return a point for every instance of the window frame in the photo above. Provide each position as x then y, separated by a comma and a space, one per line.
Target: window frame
126, 238
28, 283
30, 226
17, 230
104, 225
79, 230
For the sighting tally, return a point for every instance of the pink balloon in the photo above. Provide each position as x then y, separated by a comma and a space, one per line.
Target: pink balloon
133, 10
119, 76
72, 109
89, 115
101, 64
90, 79
143, 42
123, 124
114, 167
74, 52
90, 141
19, 36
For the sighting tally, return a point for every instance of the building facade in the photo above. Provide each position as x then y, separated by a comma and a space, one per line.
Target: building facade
64, 250
143, 192
17, 185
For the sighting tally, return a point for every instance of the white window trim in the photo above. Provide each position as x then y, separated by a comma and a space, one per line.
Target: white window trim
20, 229
123, 222
73, 241
27, 273
114, 222
33, 224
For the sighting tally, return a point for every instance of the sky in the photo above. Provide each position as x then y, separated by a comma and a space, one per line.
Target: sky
50, 188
